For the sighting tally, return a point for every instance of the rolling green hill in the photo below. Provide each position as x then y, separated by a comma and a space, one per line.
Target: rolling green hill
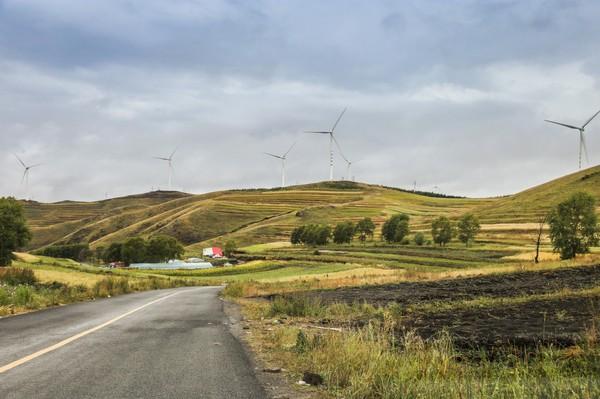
261, 216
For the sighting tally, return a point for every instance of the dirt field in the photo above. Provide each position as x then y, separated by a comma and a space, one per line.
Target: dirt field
561, 321
493, 286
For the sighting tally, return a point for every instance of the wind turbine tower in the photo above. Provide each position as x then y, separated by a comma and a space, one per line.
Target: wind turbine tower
283, 159
26, 171
582, 146
331, 140
170, 164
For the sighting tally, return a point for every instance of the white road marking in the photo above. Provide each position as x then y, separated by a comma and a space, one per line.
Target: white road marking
64, 342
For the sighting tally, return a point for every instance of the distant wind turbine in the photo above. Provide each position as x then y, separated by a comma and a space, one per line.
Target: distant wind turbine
283, 158
348, 162
26, 171
170, 163
582, 145
331, 138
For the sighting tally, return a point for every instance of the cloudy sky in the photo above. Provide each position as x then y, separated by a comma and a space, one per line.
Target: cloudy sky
451, 94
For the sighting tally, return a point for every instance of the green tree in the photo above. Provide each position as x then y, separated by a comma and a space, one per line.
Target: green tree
297, 234
365, 228
419, 239
134, 250
395, 228
230, 248
468, 227
343, 233
441, 231
574, 225
315, 234
14, 233
113, 253
161, 248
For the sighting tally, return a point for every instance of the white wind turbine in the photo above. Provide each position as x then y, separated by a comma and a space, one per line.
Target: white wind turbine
283, 158
331, 138
26, 171
582, 146
348, 162
170, 163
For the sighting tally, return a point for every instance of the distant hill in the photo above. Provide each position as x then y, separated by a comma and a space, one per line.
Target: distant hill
267, 215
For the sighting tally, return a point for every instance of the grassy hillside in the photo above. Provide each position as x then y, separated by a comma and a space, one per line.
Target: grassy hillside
261, 216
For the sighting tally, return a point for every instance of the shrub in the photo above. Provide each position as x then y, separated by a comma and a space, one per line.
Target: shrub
17, 276
14, 233
23, 295
4, 297
298, 306
419, 239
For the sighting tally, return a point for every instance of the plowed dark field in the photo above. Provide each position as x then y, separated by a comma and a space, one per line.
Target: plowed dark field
560, 321
493, 286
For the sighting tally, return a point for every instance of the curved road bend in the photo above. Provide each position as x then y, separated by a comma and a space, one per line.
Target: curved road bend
155, 344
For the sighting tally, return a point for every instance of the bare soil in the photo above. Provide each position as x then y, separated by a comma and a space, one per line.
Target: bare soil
560, 322
493, 286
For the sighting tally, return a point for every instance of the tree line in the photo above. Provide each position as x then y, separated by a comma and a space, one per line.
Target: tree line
160, 248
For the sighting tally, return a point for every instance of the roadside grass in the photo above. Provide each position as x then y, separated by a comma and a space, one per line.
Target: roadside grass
370, 362
51, 282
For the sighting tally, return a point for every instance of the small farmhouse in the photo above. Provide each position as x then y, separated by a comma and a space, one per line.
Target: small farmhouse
212, 252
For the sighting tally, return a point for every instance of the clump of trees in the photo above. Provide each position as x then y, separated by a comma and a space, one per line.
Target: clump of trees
395, 229
467, 228
160, 248
343, 233
78, 252
574, 226
311, 234
14, 233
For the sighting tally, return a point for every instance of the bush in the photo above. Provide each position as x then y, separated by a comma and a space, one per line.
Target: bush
23, 295
4, 297
17, 276
297, 306
468, 227
419, 239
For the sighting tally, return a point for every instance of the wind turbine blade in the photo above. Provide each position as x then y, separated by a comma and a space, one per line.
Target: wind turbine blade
562, 124
24, 175
161, 158
591, 119
173, 153
339, 148
273, 155
288, 151
584, 146
36, 165
318, 132
338, 119
20, 161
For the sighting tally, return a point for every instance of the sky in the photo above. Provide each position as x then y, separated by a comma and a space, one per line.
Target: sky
450, 94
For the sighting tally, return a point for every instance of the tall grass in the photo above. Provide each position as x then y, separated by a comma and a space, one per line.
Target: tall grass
371, 362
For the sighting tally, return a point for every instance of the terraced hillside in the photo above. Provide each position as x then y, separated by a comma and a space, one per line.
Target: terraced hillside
261, 216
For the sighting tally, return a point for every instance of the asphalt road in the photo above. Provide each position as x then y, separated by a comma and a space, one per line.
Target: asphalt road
155, 344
